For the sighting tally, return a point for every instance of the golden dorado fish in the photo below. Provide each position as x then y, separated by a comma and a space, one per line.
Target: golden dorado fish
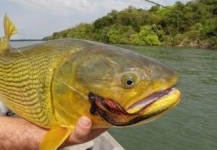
53, 83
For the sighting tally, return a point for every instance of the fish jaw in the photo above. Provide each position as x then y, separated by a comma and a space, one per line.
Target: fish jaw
157, 101
142, 111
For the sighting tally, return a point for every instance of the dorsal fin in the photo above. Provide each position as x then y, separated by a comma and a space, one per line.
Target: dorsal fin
9, 29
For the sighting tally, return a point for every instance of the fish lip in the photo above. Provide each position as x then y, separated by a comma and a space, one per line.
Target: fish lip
150, 99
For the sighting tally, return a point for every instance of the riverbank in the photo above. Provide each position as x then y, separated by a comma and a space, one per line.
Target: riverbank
191, 24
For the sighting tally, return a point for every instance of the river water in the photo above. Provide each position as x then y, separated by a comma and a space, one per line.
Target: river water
192, 125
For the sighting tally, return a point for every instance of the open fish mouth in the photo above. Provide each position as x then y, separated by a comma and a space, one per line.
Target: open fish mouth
141, 105
145, 109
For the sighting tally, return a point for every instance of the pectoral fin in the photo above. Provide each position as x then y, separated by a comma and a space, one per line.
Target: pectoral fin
55, 137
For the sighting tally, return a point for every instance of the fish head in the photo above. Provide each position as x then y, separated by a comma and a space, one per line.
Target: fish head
117, 87
124, 87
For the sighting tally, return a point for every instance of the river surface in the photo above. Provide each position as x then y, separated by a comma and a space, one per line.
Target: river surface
192, 125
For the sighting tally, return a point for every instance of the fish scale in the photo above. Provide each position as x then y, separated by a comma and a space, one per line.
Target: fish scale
24, 75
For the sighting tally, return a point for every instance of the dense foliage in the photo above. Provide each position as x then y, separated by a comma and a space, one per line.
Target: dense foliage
192, 24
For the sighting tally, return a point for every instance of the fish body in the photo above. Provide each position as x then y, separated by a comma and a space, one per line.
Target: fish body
27, 73
53, 83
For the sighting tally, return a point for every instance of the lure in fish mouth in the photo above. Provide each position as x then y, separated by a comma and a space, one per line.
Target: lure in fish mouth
115, 114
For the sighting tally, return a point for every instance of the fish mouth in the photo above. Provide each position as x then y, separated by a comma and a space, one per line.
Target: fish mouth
143, 110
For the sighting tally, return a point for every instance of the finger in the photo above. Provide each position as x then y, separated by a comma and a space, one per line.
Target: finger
82, 130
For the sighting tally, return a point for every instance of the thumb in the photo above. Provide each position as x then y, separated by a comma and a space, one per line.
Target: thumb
82, 130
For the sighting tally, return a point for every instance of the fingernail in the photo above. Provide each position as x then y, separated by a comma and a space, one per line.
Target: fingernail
84, 122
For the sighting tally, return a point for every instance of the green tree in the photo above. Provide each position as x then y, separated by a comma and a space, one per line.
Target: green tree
190, 24
146, 36
81, 31
120, 34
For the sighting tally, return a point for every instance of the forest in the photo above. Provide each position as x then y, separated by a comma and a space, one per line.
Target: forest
193, 24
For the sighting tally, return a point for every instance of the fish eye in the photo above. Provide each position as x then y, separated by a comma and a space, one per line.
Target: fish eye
129, 80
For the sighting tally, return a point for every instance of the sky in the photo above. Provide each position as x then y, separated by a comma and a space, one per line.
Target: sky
36, 19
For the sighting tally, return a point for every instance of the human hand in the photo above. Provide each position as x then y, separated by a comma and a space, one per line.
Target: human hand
19, 134
82, 132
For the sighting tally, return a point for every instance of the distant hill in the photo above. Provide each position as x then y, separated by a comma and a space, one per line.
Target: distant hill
193, 24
